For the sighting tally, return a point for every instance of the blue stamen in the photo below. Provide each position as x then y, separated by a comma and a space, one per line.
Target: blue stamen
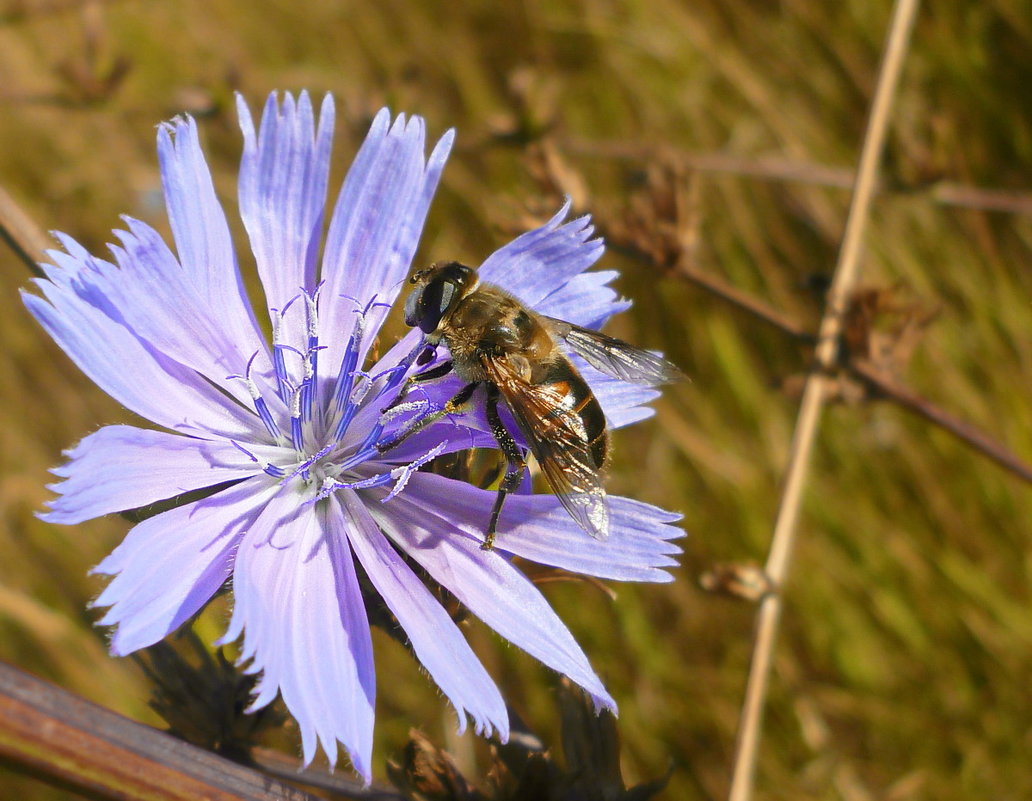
296, 435
399, 475
360, 456
371, 437
304, 469
267, 467
342, 398
260, 406
350, 361
358, 394
403, 366
347, 366
366, 483
279, 366
312, 353
342, 425
305, 405
244, 451
282, 346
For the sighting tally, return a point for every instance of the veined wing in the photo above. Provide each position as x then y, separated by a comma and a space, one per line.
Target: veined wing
614, 356
558, 440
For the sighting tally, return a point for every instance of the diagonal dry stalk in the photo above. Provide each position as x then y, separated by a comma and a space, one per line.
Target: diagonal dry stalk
67, 741
25, 239
814, 396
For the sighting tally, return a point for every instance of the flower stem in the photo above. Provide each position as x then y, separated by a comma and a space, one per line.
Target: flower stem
846, 272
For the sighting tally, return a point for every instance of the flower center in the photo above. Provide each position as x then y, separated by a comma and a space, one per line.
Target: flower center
311, 425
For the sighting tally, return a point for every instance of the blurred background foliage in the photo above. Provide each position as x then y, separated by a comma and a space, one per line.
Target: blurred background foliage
905, 663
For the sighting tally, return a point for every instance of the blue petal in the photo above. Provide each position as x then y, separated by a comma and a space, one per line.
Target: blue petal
122, 467
435, 638
299, 606
487, 584
375, 228
201, 233
542, 261
282, 190
170, 565
536, 527
127, 369
584, 300
161, 304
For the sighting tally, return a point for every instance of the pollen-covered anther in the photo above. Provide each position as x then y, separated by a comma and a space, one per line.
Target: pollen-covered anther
422, 406
312, 463
404, 473
399, 475
312, 351
296, 434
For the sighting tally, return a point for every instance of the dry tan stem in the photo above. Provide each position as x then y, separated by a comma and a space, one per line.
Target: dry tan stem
783, 539
21, 234
73, 743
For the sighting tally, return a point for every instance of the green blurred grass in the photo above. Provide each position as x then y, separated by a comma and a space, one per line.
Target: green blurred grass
906, 658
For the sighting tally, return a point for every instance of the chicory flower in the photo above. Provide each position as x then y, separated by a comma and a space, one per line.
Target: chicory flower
284, 434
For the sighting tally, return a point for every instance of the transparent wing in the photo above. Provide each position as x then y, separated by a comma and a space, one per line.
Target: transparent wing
558, 440
615, 357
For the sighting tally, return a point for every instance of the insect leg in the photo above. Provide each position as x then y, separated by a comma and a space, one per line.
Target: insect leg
439, 371
460, 399
434, 372
514, 456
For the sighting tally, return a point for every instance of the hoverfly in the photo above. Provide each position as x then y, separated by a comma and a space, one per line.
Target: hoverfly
496, 342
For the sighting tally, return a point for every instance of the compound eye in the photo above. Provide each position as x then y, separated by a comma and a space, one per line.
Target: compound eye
425, 307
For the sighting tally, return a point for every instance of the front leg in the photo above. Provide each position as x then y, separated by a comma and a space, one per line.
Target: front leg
439, 371
454, 406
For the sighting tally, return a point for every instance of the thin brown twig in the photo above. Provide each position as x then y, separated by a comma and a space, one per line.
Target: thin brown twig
922, 407
814, 395
886, 386
743, 300
946, 193
277, 764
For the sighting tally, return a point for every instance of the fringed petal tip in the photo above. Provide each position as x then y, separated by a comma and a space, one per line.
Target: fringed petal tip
481, 728
110, 565
604, 703
69, 245
280, 102
542, 262
170, 130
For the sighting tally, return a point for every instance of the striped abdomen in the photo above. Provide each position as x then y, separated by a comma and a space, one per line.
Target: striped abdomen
576, 398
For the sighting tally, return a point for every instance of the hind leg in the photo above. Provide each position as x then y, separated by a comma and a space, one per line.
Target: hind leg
517, 464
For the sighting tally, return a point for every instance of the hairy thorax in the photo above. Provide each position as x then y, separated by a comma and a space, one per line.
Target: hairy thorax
492, 323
